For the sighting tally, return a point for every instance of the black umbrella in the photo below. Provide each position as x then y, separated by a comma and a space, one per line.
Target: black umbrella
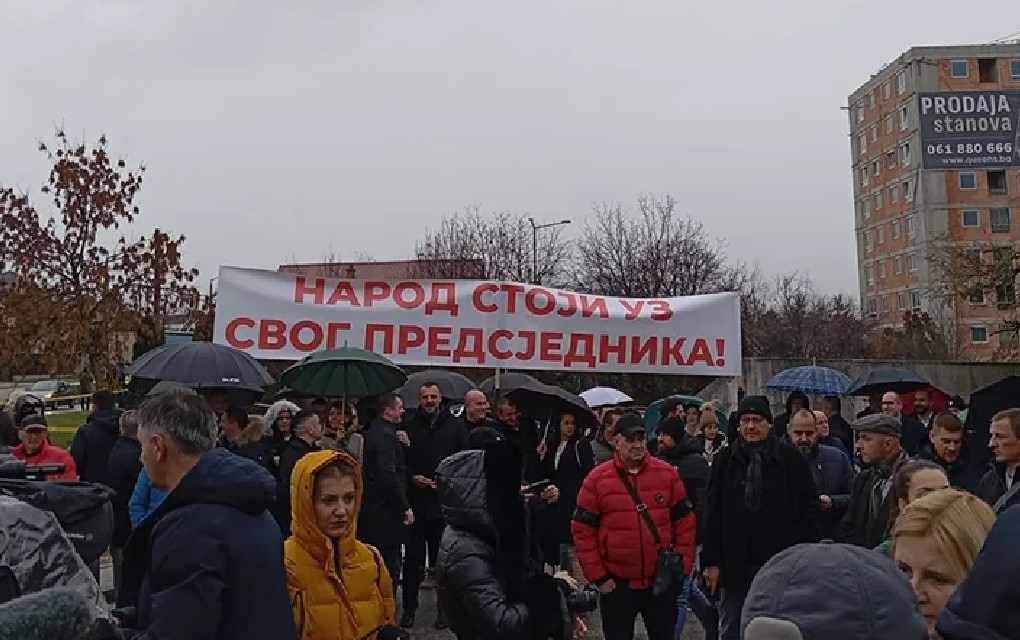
508, 382
543, 402
887, 378
202, 366
167, 386
453, 386
237, 396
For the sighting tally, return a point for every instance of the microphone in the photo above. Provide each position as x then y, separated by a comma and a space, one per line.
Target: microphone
51, 614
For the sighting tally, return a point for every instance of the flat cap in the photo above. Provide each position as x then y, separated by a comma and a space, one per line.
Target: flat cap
879, 423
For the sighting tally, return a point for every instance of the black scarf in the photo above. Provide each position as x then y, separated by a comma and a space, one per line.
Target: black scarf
754, 481
883, 472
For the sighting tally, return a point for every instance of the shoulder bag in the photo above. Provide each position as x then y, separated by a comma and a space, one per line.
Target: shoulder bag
669, 567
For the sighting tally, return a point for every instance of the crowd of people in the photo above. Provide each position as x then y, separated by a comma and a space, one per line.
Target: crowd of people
307, 522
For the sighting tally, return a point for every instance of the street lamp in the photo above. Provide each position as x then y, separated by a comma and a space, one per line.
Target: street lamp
534, 243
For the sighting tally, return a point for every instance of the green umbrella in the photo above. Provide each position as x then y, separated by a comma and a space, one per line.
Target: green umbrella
652, 413
342, 372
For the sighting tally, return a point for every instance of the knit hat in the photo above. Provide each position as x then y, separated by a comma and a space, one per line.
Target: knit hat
755, 405
675, 428
831, 592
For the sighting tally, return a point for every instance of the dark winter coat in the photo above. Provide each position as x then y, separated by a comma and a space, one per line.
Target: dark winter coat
915, 435
961, 473
256, 452
984, 606
123, 469
858, 527
432, 439
840, 428
92, 445
295, 450
489, 583
275, 444
526, 436
208, 563
576, 461
688, 458
782, 421
834, 474
384, 476
992, 485
738, 541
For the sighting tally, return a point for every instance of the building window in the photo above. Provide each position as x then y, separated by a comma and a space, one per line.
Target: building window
874, 133
872, 307
915, 299
871, 100
865, 208
908, 194
880, 233
898, 266
970, 218
881, 269
977, 296
895, 229
912, 263
903, 118
876, 167
974, 254
885, 304
862, 144
996, 181
864, 176
999, 217
911, 227
886, 89
901, 300
1014, 71
905, 154
1008, 336
869, 275
878, 200
894, 195
968, 181
860, 112
890, 159
978, 334
959, 68
988, 70
901, 82
867, 241
888, 123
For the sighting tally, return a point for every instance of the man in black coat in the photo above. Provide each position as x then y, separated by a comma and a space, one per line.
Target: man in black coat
913, 434
385, 510
867, 518
434, 434
94, 440
124, 467
838, 426
761, 500
945, 448
306, 429
831, 468
207, 564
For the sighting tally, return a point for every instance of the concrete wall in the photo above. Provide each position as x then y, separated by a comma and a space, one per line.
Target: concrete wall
952, 377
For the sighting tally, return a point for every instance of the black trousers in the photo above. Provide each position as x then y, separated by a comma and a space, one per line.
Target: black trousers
621, 606
422, 543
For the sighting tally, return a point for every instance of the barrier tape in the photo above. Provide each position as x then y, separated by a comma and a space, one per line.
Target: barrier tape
65, 399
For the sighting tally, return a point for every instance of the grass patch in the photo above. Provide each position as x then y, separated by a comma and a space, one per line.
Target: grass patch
63, 426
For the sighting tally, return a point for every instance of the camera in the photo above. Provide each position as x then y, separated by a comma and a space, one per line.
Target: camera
584, 601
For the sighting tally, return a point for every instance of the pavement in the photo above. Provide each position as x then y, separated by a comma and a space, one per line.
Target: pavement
423, 629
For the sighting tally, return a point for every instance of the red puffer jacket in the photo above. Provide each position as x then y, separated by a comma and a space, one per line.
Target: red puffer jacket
611, 537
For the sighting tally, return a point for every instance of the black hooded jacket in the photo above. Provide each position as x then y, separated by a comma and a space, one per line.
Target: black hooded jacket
984, 606
489, 581
688, 458
92, 445
208, 563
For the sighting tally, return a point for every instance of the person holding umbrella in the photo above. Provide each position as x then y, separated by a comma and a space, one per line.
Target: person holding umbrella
565, 459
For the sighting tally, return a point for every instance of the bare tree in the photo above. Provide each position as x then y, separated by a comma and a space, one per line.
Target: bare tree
985, 273
498, 246
658, 252
920, 338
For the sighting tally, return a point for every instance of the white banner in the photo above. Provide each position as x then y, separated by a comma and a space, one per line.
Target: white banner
465, 323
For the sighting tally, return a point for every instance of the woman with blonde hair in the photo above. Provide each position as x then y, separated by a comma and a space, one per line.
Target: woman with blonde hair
935, 541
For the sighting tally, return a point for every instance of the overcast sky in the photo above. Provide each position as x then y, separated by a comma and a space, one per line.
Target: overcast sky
274, 129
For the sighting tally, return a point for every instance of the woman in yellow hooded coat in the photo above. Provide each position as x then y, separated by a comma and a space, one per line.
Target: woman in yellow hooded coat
339, 587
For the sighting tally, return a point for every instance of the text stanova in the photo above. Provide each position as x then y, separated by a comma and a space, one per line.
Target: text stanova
461, 344
989, 113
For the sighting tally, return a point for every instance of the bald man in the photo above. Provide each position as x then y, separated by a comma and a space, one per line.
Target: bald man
476, 410
914, 434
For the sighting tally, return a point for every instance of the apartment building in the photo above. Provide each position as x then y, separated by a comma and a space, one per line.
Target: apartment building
934, 138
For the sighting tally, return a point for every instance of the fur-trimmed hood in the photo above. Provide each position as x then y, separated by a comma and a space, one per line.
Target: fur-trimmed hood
274, 411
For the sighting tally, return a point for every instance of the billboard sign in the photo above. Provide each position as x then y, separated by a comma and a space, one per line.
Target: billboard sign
969, 129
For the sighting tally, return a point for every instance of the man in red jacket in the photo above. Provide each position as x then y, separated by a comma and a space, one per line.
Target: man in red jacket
616, 548
35, 448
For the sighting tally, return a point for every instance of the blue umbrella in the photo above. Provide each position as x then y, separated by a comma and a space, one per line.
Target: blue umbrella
812, 379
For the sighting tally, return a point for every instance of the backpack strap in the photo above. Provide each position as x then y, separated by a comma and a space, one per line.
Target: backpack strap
298, 603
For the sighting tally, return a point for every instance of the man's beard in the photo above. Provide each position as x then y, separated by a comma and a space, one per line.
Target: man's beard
806, 449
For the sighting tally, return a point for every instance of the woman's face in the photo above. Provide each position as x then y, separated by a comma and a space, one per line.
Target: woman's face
922, 483
334, 504
710, 429
931, 576
693, 416
568, 424
283, 422
336, 419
